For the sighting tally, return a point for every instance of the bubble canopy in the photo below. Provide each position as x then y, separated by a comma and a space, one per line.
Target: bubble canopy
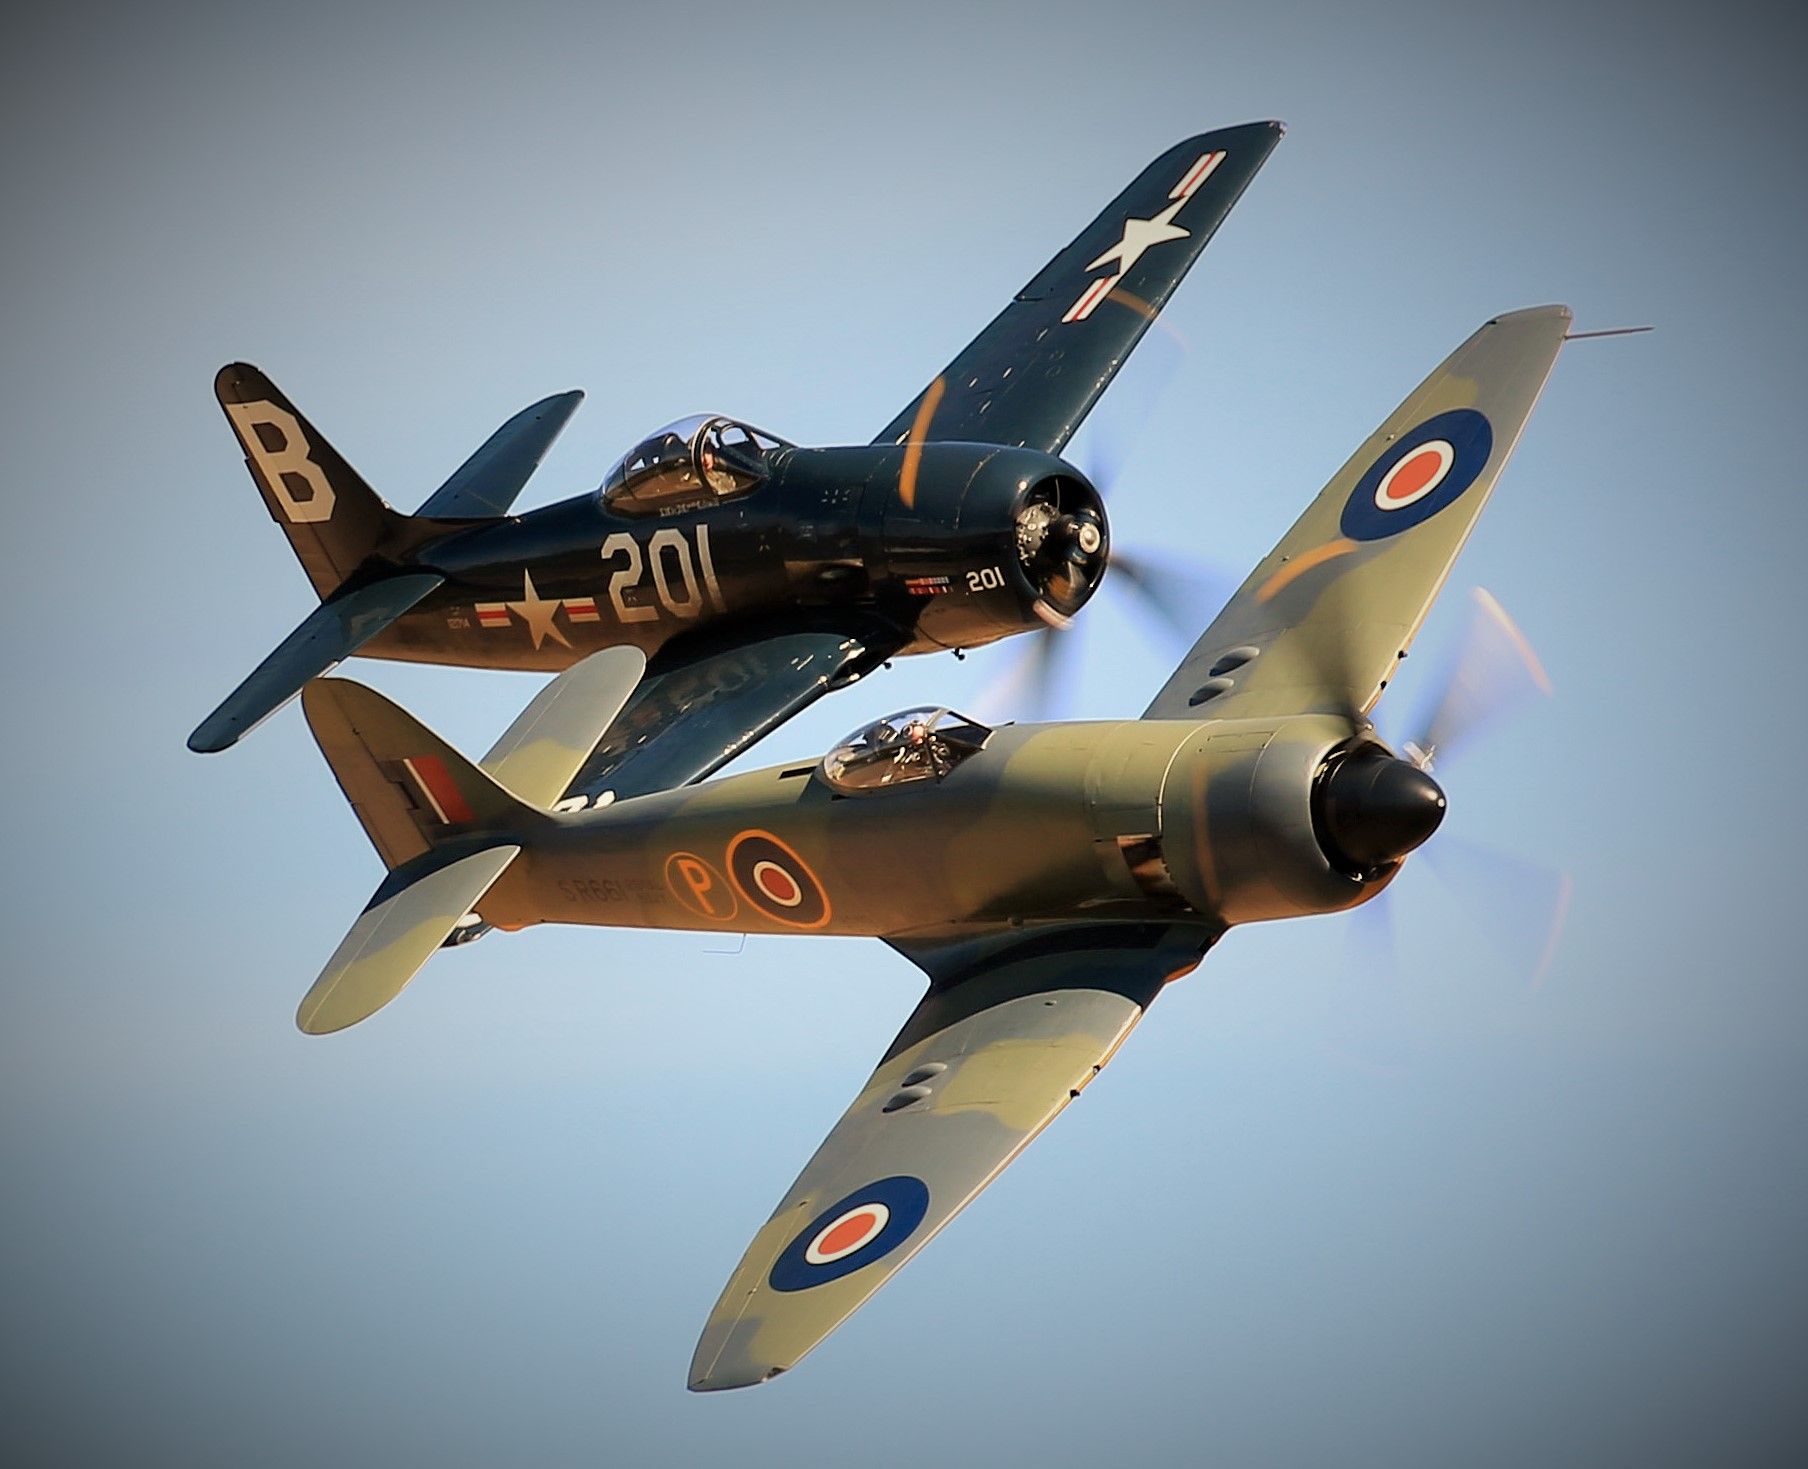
916, 744
695, 461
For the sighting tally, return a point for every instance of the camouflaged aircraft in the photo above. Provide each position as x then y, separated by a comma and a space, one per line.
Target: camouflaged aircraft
754, 574
1083, 866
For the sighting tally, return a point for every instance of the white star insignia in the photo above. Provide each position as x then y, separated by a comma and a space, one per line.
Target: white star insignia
538, 613
1139, 235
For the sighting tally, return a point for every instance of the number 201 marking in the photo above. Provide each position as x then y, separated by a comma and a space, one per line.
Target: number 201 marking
986, 579
675, 574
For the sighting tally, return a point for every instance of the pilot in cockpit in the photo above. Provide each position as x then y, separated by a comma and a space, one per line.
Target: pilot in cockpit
697, 461
918, 744
716, 473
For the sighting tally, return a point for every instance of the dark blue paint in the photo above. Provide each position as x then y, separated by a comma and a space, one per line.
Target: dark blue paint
906, 1197
1469, 435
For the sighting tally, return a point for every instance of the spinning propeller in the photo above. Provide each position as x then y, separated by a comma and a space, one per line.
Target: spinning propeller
1520, 904
1181, 595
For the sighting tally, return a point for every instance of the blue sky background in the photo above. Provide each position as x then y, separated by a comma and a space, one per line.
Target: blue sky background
1322, 1210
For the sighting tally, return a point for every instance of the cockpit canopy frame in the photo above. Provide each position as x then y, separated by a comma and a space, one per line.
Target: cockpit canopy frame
913, 745
700, 460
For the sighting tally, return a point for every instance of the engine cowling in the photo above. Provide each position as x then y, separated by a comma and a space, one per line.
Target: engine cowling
1278, 819
993, 539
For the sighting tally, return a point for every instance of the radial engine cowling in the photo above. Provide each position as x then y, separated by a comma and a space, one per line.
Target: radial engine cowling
1016, 537
1062, 543
1280, 819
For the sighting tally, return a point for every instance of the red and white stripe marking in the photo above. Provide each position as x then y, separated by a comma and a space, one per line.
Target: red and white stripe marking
582, 609
1201, 170
492, 614
1204, 166
1091, 297
848, 1232
438, 789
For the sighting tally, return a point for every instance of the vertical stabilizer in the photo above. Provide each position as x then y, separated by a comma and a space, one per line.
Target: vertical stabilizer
333, 519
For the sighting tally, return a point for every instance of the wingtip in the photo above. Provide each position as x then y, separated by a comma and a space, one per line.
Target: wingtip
1531, 313
728, 1382
318, 1015
308, 1025
208, 739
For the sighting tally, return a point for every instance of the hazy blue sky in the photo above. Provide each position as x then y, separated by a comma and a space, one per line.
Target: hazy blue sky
1317, 1213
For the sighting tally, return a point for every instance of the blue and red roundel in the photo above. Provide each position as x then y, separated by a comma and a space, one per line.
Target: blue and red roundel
1420, 473
867, 1225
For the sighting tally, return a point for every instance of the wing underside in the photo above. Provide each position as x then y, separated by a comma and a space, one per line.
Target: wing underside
1015, 1025
687, 721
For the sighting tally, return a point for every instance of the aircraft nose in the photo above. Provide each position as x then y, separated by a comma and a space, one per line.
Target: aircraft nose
1373, 809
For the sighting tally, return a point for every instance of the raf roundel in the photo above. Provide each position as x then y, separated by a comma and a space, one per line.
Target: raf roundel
1425, 469
1415, 476
776, 881
852, 1233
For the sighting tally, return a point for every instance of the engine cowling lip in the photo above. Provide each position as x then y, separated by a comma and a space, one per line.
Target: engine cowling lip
1074, 493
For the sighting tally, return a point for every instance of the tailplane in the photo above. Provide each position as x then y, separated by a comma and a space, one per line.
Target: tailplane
446, 827
355, 548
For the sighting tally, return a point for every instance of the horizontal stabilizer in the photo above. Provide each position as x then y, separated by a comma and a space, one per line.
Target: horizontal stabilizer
543, 750
486, 484
330, 633
415, 794
393, 937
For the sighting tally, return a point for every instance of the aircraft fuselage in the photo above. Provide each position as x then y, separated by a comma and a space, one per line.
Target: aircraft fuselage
922, 557
1132, 820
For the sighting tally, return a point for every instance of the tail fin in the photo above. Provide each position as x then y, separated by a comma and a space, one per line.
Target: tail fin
337, 524
411, 790
414, 792
446, 827
332, 518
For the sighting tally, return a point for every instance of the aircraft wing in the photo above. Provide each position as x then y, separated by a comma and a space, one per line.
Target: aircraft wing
1016, 1023
327, 636
688, 720
1030, 377
1324, 619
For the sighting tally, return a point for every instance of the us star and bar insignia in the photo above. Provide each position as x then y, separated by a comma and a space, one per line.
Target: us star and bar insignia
1141, 234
